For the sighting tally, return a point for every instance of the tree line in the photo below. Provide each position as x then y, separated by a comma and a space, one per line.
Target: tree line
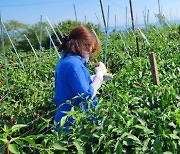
37, 33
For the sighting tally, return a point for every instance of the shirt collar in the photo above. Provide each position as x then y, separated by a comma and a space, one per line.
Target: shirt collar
63, 55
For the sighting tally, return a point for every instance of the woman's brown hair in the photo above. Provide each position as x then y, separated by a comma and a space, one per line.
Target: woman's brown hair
79, 40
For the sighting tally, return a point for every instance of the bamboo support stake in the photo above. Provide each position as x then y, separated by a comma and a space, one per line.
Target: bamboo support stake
126, 18
133, 33
50, 45
107, 38
31, 46
147, 23
4, 53
127, 52
102, 10
133, 28
145, 38
56, 26
40, 40
21, 63
147, 18
157, 32
97, 19
159, 6
106, 25
136, 21
75, 12
132, 17
127, 31
52, 42
84, 20
37, 38
115, 24
53, 30
154, 69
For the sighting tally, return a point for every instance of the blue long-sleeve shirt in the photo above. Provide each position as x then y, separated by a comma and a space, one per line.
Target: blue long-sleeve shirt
71, 79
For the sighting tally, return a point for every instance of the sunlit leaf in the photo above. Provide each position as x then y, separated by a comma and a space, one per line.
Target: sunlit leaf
13, 148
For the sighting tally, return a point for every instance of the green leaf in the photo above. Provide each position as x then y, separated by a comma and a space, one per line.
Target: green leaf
145, 144
167, 152
101, 139
42, 127
144, 128
63, 121
110, 127
30, 141
96, 135
174, 136
14, 139
157, 145
78, 147
2, 149
124, 135
4, 140
130, 136
117, 130
58, 146
158, 129
118, 148
107, 145
142, 121
173, 146
13, 148
17, 127
172, 124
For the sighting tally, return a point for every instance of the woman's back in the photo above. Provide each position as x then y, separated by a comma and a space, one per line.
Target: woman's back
73, 79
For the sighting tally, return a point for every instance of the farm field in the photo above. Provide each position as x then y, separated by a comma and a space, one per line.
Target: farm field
135, 115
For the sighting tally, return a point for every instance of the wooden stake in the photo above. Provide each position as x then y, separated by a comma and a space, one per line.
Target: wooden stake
154, 69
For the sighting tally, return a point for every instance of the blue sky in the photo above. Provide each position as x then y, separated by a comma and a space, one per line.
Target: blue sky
29, 11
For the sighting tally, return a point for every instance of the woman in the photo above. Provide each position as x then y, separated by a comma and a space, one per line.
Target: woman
72, 77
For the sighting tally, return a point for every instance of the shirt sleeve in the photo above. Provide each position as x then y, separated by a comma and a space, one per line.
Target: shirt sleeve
80, 84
